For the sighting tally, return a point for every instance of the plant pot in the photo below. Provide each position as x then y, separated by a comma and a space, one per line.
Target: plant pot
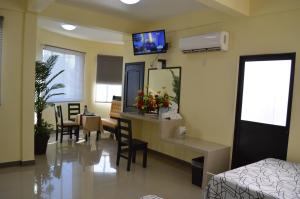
40, 143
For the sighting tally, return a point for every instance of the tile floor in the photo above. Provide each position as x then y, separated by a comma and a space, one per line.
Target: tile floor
87, 170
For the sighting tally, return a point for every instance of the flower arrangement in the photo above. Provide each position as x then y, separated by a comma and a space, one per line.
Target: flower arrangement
149, 103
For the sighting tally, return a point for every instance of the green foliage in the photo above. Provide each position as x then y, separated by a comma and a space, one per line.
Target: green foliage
176, 86
43, 71
45, 128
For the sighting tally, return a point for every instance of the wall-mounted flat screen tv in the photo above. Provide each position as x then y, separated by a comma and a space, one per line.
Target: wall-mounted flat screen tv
149, 42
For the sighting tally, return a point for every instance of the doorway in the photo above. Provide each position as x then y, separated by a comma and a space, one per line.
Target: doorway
263, 109
134, 81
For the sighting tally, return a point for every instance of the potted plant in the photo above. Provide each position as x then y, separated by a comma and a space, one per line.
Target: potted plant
43, 92
149, 103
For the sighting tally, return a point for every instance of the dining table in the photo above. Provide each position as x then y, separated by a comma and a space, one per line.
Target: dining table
90, 123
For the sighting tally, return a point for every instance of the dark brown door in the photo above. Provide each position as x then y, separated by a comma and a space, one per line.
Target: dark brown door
263, 110
134, 81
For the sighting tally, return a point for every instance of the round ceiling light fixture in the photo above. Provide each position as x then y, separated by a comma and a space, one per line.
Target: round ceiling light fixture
130, 1
68, 26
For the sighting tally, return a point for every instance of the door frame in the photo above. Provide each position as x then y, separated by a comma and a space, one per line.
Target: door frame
125, 80
240, 89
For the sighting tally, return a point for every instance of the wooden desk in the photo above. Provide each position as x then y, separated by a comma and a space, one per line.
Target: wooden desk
216, 156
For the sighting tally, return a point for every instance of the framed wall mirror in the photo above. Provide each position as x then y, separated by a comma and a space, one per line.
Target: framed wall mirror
165, 80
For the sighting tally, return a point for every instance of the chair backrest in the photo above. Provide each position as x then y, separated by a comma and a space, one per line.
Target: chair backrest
115, 108
73, 110
59, 114
124, 135
56, 119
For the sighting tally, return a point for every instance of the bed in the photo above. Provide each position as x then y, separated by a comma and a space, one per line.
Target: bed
268, 179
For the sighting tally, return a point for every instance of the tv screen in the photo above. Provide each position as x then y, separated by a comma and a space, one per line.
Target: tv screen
149, 42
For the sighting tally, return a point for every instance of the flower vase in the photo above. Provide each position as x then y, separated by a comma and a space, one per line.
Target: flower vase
161, 111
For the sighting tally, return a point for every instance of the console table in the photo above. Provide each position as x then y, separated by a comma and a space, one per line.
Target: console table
216, 156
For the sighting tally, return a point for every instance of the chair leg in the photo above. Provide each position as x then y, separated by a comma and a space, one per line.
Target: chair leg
145, 151
86, 137
133, 155
70, 129
98, 135
118, 155
61, 134
77, 134
56, 136
129, 159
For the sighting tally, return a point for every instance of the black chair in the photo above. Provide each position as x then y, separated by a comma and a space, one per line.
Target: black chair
73, 111
65, 127
129, 145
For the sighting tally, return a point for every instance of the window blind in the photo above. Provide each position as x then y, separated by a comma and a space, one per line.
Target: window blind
73, 76
109, 69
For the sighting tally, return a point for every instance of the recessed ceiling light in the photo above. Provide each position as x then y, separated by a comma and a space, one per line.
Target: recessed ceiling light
130, 1
68, 27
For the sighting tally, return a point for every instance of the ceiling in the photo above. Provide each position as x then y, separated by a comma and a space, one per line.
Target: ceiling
81, 32
145, 10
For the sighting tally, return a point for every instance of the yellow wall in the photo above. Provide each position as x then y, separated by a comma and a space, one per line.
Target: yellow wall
92, 49
209, 81
16, 109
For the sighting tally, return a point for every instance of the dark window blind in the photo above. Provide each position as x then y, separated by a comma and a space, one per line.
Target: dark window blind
109, 69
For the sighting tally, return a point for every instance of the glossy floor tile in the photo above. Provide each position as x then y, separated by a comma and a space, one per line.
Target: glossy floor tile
87, 170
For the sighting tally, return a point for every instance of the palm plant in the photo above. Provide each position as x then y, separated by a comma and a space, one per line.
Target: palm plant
43, 92
176, 86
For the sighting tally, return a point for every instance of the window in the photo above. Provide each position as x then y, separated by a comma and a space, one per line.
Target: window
105, 92
109, 78
73, 64
266, 91
1, 40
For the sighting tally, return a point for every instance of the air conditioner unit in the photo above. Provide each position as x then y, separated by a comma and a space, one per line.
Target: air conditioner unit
217, 41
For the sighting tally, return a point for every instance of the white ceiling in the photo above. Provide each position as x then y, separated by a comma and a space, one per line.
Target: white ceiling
145, 10
81, 32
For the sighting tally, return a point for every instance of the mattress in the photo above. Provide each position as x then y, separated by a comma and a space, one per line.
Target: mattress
269, 179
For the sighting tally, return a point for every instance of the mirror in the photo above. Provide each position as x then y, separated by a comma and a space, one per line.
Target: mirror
167, 79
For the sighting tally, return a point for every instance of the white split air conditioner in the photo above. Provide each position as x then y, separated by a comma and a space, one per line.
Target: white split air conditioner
217, 41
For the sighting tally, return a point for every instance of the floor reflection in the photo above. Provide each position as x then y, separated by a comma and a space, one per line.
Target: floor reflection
104, 166
87, 170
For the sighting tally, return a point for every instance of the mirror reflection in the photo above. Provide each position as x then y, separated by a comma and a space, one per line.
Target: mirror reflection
167, 80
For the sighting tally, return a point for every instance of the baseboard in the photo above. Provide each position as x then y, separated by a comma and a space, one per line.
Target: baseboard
9, 164
27, 163
17, 163
170, 158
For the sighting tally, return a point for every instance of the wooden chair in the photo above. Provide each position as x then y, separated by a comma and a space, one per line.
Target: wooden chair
111, 124
65, 127
73, 111
129, 145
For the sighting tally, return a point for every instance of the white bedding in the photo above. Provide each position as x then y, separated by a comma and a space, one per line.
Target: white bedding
269, 179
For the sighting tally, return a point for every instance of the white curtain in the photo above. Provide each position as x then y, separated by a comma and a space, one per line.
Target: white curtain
73, 76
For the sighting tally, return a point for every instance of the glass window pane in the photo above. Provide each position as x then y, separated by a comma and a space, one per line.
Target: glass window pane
105, 92
266, 90
72, 63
